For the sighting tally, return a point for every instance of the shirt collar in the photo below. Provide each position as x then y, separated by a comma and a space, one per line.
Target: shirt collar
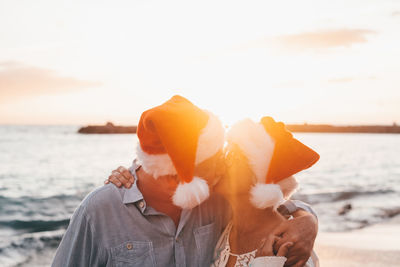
133, 194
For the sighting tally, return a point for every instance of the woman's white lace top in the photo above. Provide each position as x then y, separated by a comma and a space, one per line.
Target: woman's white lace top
223, 251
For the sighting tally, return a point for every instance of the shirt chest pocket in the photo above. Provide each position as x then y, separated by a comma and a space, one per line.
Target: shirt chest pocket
205, 238
133, 253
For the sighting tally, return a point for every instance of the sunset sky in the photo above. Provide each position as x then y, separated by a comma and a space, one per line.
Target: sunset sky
81, 62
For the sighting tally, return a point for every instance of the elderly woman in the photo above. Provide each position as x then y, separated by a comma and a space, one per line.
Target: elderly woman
260, 159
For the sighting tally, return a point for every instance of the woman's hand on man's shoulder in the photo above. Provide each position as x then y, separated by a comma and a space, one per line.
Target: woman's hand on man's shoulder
121, 177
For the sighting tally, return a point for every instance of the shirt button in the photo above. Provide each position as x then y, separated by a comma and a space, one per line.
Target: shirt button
129, 246
141, 204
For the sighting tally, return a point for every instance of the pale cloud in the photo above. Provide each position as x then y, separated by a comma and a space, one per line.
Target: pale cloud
396, 13
342, 80
18, 80
318, 41
351, 79
324, 39
289, 84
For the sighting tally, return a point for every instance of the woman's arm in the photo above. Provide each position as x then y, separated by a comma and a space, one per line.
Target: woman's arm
301, 231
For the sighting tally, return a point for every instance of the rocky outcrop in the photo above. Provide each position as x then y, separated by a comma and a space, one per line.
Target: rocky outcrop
109, 128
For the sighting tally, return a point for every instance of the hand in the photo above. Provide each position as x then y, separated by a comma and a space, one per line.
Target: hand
301, 231
266, 247
121, 177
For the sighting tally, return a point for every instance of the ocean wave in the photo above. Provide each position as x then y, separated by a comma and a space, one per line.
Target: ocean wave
48, 206
390, 213
24, 250
29, 214
35, 225
338, 196
62, 197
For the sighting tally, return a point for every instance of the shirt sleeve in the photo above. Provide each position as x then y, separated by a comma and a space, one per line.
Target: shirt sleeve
78, 246
293, 205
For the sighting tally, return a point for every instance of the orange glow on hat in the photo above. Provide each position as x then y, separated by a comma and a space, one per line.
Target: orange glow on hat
290, 156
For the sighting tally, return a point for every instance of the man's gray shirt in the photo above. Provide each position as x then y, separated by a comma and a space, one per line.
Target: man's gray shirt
114, 227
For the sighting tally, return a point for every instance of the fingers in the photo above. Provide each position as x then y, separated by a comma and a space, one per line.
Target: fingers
275, 240
284, 249
300, 263
266, 248
291, 261
113, 179
279, 242
296, 261
121, 177
126, 173
279, 231
298, 253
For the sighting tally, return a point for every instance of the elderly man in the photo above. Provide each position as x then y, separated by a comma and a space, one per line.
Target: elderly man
167, 216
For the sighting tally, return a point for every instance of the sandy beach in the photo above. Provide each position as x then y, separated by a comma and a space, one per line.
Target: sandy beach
377, 245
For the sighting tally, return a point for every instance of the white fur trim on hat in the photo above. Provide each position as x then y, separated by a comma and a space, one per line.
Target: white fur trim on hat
266, 195
288, 186
155, 165
255, 143
211, 139
189, 195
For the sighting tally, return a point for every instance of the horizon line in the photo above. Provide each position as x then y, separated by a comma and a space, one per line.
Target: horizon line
126, 125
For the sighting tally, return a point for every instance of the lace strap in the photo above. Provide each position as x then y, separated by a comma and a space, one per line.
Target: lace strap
253, 253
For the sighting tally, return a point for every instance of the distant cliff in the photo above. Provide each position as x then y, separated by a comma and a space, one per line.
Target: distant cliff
109, 128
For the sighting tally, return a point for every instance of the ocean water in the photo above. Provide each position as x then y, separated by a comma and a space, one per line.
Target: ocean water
45, 171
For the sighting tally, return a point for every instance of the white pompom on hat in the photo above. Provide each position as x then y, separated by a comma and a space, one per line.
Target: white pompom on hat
173, 138
274, 156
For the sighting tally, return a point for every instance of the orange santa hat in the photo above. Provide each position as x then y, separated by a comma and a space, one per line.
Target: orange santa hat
173, 138
274, 156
